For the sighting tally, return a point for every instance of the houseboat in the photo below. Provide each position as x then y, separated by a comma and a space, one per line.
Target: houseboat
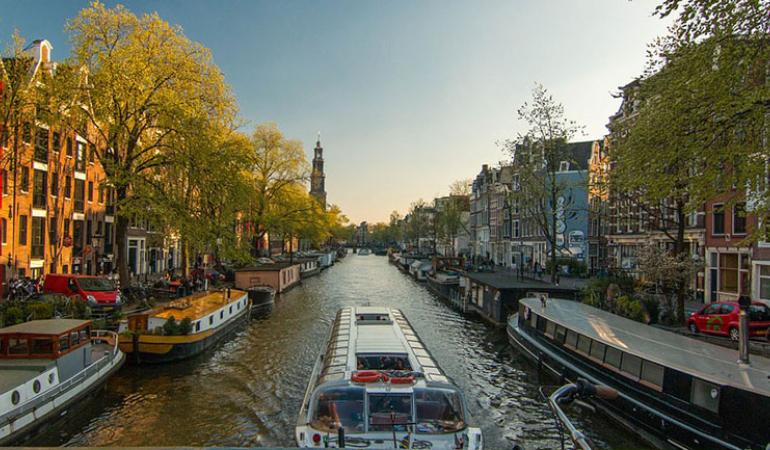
674, 391
48, 365
262, 300
376, 386
419, 269
444, 280
495, 295
308, 266
149, 337
364, 252
280, 276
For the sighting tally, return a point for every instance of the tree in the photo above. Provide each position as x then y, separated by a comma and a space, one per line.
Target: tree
145, 80
278, 168
711, 68
451, 219
542, 196
419, 222
461, 187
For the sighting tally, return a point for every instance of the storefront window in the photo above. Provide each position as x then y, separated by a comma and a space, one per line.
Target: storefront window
728, 272
764, 282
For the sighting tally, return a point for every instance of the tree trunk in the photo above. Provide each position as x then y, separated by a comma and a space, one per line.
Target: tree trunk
681, 291
185, 258
121, 237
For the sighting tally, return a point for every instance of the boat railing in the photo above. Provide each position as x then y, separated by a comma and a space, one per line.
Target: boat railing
70, 383
105, 337
569, 393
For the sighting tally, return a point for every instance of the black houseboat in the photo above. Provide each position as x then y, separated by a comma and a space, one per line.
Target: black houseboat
676, 392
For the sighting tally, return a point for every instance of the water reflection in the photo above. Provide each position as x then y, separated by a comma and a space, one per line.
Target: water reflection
247, 392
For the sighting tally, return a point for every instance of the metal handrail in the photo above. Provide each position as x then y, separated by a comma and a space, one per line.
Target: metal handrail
98, 335
567, 392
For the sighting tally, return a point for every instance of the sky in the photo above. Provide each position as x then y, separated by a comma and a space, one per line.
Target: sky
408, 96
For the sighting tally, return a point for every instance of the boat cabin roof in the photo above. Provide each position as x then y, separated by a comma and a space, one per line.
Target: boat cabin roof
375, 338
698, 358
48, 327
197, 305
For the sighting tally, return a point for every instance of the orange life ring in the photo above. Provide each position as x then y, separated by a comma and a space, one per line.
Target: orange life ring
409, 379
368, 376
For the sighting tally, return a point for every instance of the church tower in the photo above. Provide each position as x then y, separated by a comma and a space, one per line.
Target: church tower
317, 177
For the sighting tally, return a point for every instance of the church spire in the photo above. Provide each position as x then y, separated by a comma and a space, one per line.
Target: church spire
317, 176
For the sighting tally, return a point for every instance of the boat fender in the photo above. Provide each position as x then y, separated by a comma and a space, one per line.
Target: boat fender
368, 376
402, 380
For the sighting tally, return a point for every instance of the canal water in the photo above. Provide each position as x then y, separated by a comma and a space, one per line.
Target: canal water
247, 392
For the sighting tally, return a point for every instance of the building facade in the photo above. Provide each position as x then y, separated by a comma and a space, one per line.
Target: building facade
317, 176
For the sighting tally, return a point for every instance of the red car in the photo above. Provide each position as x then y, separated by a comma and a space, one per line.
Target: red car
721, 318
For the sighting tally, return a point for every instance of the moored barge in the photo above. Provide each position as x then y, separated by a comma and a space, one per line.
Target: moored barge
674, 391
48, 365
376, 386
148, 337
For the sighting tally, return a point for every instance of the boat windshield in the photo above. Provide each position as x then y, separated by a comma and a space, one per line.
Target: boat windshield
336, 407
438, 410
96, 284
390, 412
383, 362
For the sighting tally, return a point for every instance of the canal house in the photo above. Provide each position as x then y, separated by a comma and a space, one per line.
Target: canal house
280, 276
494, 296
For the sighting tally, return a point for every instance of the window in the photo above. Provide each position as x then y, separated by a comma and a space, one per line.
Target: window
764, 280
563, 166
41, 145
89, 231
80, 195
52, 229
56, 141
211, 320
66, 227
516, 231
739, 218
69, 147
40, 189
24, 185
42, 346
652, 373
571, 340
54, 184
26, 133
726, 309
101, 193
584, 344
18, 346
38, 237
550, 329
5, 182
90, 191
718, 220
80, 157
612, 357
705, 395
91, 153
67, 187
22, 229
4, 230
222, 314
77, 237
597, 350
728, 272
632, 365
560, 333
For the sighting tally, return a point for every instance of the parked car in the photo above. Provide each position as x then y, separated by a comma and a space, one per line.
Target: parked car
98, 292
721, 318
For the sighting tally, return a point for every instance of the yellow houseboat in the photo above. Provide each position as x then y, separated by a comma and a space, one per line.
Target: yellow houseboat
182, 328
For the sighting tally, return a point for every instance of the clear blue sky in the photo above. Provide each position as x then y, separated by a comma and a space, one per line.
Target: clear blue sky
408, 96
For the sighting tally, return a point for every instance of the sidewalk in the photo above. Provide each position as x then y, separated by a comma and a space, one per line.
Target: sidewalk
564, 282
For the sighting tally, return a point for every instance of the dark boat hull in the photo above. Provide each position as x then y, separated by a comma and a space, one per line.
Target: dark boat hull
657, 427
178, 351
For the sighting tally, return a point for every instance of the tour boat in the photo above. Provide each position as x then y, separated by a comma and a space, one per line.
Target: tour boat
376, 386
147, 338
674, 391
48, 365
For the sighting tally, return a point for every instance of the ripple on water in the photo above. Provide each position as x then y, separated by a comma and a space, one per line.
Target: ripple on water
247, 392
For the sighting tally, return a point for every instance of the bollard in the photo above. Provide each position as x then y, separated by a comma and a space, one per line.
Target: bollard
341, 437
743, 338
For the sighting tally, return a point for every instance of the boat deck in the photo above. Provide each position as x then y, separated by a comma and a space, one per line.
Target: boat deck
710, 362
197, 306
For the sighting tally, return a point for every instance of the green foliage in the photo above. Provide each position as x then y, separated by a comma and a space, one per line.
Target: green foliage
171, 327
40, 311
185, 326
631, 308
576, 268
13, 315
